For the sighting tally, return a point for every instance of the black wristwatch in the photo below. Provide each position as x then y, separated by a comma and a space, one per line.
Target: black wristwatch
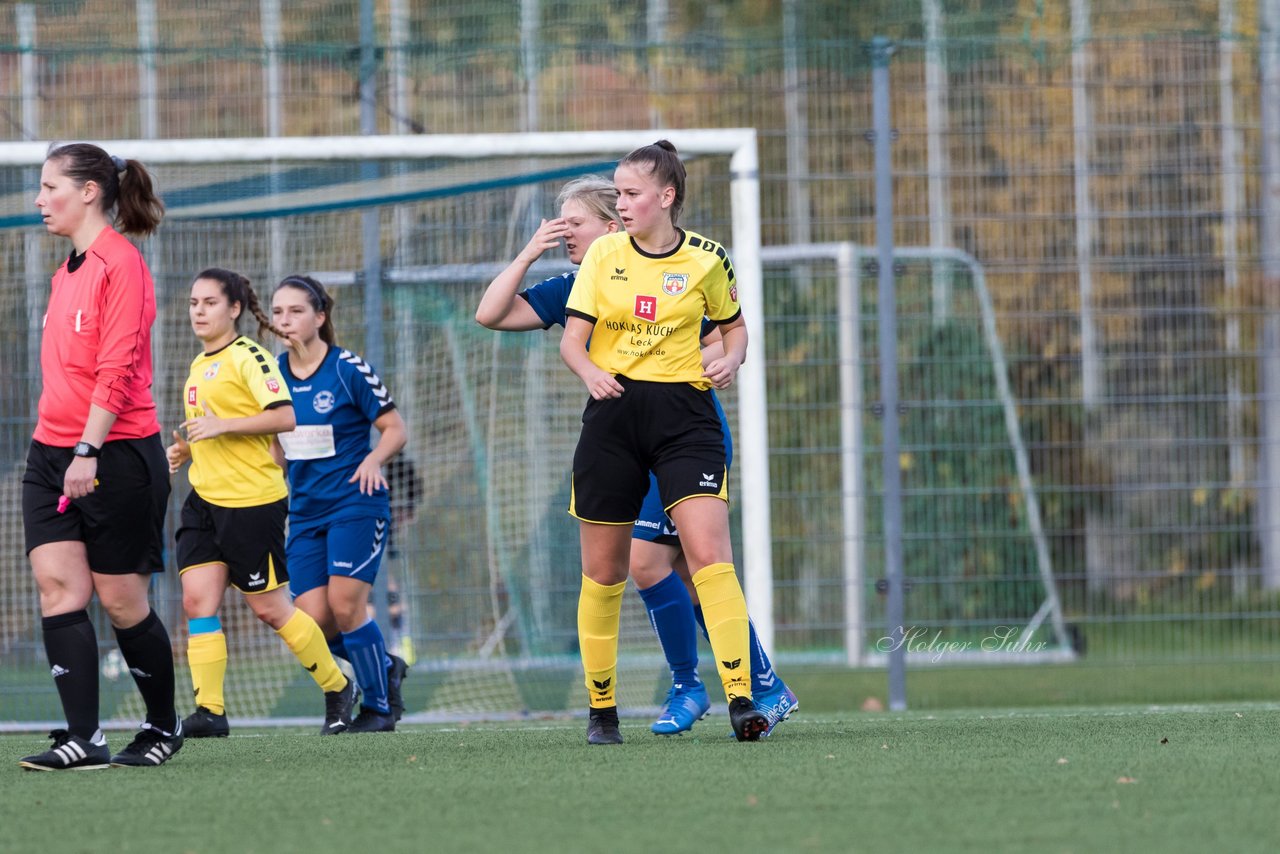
84, 449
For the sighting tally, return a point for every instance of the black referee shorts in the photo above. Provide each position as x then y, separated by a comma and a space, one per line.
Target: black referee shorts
671, 429
121, 522
249, 540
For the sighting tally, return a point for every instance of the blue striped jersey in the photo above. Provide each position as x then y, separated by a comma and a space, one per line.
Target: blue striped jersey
335, 408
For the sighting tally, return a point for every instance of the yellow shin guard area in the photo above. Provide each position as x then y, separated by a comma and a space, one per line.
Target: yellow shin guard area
207, 657
725, 610
599, 608
306, 641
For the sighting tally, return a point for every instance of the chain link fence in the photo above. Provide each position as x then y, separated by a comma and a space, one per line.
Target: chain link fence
1108, 179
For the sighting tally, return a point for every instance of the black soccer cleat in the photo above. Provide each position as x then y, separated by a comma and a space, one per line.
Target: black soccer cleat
602, 726
149, 748
747, 721
69, 753
203, 723
396, 673
371, 720
337, 709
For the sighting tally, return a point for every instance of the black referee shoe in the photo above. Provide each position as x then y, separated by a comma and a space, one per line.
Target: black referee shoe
747, 722
203, 723
602, 726
149, 748
337, 709
70, 753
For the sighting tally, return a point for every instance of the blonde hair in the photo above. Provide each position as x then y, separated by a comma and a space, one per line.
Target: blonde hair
596, 194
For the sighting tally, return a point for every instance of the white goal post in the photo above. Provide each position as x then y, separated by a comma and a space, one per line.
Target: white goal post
739, 144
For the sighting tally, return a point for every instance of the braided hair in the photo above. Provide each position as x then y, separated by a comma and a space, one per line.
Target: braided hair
237, 289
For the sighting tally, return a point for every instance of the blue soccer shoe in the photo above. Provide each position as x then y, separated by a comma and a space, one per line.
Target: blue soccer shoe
686, 705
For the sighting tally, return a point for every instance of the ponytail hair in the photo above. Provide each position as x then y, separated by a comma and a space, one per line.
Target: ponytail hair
664, 167
126, 186
319, 299
237, 289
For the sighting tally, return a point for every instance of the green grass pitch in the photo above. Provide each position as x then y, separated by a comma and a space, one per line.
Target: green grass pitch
1138, 778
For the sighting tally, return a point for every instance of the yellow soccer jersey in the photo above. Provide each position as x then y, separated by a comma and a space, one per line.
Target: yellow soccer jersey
648, 309
239, 380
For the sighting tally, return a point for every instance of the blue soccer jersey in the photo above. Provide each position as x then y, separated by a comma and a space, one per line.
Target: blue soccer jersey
335, 409
548, 299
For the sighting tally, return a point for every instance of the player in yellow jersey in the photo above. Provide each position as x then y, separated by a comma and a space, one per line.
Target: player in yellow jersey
232, 529
640, 298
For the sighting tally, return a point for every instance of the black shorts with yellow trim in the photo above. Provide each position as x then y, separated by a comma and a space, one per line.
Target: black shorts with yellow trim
249, 540
671, 429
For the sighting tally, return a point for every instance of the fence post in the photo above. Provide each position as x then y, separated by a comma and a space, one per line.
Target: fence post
881, 51
1268, 525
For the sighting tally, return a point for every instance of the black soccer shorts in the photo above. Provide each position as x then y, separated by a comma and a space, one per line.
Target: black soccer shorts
671, 429
249, 540
121, 522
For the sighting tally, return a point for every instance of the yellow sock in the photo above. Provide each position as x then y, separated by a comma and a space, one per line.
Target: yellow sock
725, 610
207, 657
599, 608
306, 641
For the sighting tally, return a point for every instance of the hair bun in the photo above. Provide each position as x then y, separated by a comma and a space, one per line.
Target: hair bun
119, 163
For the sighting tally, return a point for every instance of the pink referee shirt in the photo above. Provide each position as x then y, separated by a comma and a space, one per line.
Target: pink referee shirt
96, 346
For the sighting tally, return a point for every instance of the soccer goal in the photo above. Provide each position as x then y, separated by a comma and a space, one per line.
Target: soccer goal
407, 231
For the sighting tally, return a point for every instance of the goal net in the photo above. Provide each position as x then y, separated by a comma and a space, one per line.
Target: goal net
406, 231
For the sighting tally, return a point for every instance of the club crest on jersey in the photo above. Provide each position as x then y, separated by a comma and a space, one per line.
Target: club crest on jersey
273, 385
646, 307
191, 395
212, 371
323, 401
673, 284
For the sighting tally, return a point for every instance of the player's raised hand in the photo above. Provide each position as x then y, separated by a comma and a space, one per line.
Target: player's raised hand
548, 236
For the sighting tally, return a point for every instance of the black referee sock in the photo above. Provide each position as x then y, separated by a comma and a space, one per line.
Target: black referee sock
72, 648
146, 650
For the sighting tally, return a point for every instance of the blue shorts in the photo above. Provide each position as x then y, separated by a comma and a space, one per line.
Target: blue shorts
349, 547
653, 523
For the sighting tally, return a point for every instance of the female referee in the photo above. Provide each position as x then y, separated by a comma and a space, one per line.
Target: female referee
587, 211
640, 298
94, 490
233, 521
339, 520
